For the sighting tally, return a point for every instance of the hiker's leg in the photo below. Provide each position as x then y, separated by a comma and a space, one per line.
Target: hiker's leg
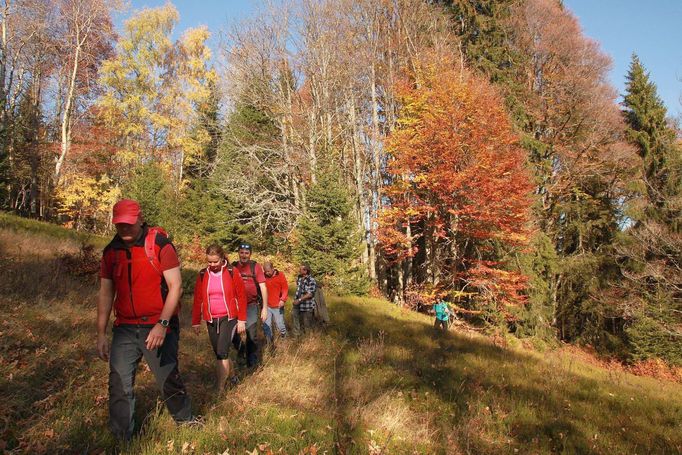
295, 320
163, 362
221, 332
268, 327
435, 323
251, 332
123, 360
278, 317
239, 345
251, 346
307, 321
222, 373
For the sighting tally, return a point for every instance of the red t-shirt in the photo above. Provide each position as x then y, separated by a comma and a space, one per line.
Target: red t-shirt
278, 289
245, 272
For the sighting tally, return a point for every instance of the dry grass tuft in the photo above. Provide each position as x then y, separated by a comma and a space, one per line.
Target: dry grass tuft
391, 421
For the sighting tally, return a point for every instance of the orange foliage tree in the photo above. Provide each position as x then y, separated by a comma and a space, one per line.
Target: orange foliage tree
460, 193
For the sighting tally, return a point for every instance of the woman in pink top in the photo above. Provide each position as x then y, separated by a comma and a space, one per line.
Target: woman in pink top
220, 300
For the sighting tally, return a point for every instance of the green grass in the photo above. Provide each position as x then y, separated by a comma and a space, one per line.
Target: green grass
376, 381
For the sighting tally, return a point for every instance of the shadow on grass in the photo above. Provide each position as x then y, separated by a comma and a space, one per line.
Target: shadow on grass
42, 378
490, 399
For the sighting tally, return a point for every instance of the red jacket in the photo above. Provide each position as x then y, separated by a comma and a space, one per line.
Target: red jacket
278, 289
140, 289
234, 296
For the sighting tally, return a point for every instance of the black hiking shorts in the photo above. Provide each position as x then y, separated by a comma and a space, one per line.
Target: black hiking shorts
220, 332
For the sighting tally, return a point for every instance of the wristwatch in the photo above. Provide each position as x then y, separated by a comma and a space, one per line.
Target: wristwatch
164, 322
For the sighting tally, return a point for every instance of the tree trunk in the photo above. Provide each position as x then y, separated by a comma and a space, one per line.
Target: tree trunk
409, 269
364, 215
68, 108
4, 115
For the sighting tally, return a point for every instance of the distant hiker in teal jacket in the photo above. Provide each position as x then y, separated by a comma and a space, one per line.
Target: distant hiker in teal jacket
442, 315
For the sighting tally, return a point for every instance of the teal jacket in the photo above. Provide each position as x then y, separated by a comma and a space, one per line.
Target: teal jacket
441, 309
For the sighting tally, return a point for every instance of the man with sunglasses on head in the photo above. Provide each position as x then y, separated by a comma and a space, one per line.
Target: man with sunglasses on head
256, 293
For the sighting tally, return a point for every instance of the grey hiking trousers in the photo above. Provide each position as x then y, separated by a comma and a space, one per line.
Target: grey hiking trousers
127, 349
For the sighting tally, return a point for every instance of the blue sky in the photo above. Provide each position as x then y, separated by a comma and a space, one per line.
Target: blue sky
216, 14
651, 28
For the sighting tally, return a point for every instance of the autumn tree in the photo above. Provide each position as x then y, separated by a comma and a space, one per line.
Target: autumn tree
87, 33
460, 193
154, 88
554, 82
89, 178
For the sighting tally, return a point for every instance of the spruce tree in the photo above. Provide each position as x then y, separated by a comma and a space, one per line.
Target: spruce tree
654, 139
150, 185
652, 245
327, 237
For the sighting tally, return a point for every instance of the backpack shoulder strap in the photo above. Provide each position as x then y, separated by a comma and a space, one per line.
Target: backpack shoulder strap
253, 277
150, 245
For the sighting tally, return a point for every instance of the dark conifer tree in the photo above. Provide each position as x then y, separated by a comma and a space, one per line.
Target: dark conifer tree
652, 245
327, 237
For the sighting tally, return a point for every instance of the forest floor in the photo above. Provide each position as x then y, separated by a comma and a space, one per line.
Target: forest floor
378, 380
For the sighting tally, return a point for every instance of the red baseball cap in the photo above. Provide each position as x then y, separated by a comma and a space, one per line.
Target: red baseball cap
126, 211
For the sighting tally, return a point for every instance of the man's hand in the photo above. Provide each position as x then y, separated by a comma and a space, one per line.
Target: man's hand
105, 300
241, 327
264, 314
156, 336
281, 303
196, 328
102, 347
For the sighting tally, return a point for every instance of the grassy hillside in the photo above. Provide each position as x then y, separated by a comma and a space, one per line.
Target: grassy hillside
377, 381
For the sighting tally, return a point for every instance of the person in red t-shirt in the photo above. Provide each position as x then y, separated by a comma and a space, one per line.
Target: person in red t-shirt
140, 278
278, 290
256, 294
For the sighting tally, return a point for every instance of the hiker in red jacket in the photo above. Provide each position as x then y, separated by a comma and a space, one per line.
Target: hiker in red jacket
140, 278
278, 290
220, 300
